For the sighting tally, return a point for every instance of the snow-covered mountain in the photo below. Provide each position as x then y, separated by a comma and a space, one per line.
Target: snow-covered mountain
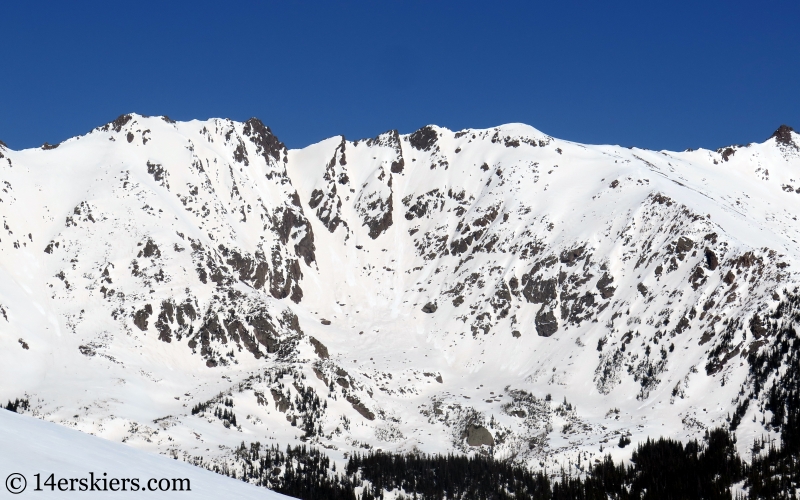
184, 287
58, 455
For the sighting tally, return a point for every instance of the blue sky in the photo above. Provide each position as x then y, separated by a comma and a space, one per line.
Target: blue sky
662, 75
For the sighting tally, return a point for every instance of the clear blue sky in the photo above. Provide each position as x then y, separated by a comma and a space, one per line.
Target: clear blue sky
662, 75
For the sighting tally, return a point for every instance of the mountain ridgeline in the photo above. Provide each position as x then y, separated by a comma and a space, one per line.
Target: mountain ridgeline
495, 298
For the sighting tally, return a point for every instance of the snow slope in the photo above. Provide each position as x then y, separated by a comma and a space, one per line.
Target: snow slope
496, 291
31, 446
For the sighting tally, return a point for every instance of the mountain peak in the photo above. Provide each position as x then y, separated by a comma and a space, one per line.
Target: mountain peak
266, 142
119, 122
784, 135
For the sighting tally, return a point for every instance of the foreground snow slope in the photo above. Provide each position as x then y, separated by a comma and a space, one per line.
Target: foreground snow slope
31, 446
184, 287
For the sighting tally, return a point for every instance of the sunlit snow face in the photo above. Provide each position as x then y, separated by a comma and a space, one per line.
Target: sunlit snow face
189, 285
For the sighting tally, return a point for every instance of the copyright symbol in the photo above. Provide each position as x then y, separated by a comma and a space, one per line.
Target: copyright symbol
16, 483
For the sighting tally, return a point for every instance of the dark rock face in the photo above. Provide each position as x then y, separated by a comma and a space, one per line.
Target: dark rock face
570, 257
711, 260
423, 139
374, 201
478, 436
424, 204
684, 245
319, 348
757, 327
546, 322
158, 173
288, 221
399, 163
240, 153
140, 317
472, 231
327, 202
784, 136
265, 333
117, 124
165, 317
231, 322
284, 272
697, 278
430, 308
539, 291
377, 225
727, 153
389, 139
575, 306
266, 143
86, 350
281, 403
604, 285
305, 247
360, 408
682, 325
316, 198
186, 314
150, 250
